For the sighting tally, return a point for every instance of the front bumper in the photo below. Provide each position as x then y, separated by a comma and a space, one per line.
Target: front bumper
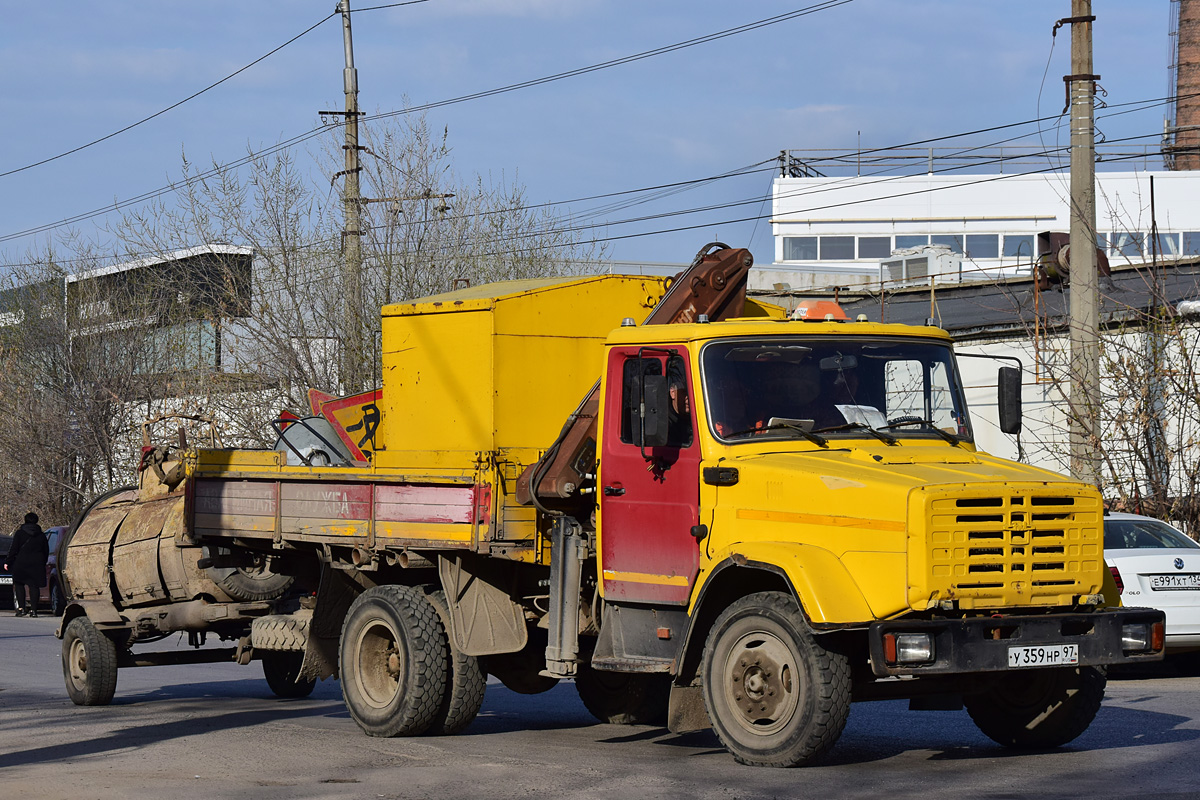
981, 644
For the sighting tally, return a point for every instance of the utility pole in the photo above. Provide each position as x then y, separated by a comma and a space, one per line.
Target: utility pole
353, 336
1085, 293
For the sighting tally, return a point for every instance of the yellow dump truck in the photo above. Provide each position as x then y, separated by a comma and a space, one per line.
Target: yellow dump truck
752, 522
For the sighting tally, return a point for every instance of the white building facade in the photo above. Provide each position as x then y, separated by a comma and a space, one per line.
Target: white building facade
836, 231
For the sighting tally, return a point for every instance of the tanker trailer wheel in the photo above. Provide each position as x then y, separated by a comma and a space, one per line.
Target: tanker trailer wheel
465, 681
281, 668
393, 661
776, 697
89, 660
1038, 709
248, 584
624, 698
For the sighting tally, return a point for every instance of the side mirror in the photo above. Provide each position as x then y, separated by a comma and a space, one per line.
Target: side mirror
1008, 399
653, 411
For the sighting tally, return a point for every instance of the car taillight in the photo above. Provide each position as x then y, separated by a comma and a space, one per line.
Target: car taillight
1116, 573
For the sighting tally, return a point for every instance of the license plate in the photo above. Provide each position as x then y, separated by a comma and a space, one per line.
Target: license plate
5, 580
1174, 583
1045, 655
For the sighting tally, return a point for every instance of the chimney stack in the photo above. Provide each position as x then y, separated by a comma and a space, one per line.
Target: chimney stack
1185, 145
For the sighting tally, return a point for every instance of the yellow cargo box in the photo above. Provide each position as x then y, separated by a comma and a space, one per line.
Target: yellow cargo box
500, 365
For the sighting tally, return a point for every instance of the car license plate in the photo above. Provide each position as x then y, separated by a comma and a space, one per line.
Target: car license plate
1174, 583
1044, 655
5, 580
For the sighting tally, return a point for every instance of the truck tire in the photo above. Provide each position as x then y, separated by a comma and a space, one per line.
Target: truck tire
1039, 709
624, 698
249, 584
465, 682
280, 632
393, 660
776, 697
281, 668
89, 660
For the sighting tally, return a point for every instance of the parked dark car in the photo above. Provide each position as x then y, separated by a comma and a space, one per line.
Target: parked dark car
51, 594
7, 598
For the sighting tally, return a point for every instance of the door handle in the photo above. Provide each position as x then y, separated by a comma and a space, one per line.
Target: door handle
614, 491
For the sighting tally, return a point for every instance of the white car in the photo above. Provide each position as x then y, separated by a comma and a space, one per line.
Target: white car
1156, 566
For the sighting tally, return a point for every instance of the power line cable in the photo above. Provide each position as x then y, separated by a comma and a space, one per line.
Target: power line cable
194, 95
299, 138
173, 106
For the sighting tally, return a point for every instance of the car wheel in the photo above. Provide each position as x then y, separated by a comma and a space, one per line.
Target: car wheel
57, 604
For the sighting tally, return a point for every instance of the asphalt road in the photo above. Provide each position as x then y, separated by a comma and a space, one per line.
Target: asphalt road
217, 731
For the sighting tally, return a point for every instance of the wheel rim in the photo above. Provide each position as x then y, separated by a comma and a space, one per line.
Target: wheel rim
379, 663
762, 683
77, 663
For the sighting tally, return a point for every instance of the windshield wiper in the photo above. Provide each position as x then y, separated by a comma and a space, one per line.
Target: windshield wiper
812, 437
855, 426
949, 437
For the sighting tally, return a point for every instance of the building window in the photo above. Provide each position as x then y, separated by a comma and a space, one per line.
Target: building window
874, 246
1168, 245
799, 248
955, 243
1191, 243
983, 245
1019, 247
837, 248
906, 241
1128, 244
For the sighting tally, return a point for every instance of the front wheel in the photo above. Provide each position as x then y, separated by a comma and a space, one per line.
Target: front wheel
89, 660
393, 661
281, 668
1039, 709
776, 697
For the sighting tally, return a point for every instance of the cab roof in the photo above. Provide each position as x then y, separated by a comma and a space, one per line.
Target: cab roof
694, 332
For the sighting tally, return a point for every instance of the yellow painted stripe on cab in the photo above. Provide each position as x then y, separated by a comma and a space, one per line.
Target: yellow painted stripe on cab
820, 519
645, 577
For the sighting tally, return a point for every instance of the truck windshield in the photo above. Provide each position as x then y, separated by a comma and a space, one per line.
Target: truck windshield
900, 388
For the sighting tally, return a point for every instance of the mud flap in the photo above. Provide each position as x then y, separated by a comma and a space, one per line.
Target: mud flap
484, 619
334, 595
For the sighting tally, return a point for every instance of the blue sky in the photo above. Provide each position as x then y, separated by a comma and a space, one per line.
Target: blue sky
893, 70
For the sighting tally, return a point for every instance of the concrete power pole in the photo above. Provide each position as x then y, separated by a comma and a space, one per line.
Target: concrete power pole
1085, 294
354, 373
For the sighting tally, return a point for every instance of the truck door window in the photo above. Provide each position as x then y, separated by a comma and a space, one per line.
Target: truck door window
679, 426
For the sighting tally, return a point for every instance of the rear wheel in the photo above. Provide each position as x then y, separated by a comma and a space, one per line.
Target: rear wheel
624, 698
1038, 709
393, 661
465, 682
281, 668
776, 696
89, 660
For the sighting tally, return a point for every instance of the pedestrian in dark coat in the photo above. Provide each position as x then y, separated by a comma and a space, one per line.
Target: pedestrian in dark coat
26, 561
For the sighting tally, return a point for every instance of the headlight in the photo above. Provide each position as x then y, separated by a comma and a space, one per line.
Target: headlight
908, 648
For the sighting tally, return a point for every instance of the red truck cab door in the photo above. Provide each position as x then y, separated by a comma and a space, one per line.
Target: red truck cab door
648, 503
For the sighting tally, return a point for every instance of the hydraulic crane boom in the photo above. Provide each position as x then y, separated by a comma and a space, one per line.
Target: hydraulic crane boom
714, 285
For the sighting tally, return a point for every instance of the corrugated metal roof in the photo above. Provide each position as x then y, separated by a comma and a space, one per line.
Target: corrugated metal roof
977, 309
